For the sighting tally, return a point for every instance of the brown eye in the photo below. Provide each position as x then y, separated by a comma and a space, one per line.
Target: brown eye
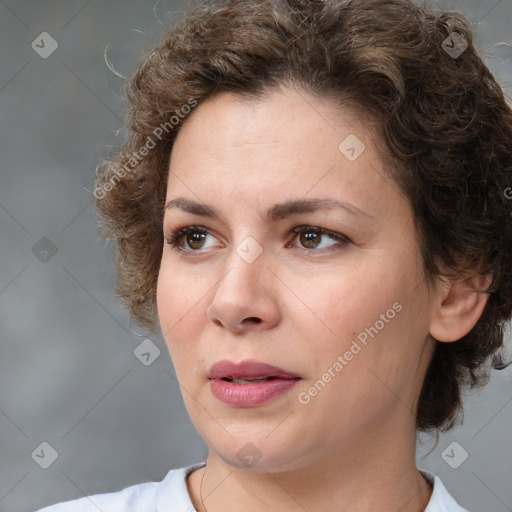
195, 240
193, 237
310, 239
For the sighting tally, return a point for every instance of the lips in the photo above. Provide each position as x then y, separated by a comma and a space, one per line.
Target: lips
249, 383
248, 370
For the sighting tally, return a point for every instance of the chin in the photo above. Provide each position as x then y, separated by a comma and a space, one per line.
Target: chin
258, 454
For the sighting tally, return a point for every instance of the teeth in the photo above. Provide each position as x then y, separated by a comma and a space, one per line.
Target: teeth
250, 379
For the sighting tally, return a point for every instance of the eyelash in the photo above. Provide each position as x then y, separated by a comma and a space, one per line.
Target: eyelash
173, 238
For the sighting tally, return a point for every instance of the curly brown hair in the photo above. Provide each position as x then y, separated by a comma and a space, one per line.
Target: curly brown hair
442, 120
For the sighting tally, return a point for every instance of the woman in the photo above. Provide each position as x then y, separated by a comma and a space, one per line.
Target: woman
312, 204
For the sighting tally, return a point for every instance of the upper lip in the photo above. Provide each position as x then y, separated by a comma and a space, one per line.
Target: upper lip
247, 368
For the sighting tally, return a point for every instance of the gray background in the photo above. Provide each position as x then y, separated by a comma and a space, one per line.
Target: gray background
69, 376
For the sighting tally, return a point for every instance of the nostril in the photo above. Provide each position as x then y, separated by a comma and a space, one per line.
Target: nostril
255, 319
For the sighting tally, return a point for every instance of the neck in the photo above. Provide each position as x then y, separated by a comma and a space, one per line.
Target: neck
376, 471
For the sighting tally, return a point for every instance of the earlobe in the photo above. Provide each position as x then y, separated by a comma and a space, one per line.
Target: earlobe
459, 307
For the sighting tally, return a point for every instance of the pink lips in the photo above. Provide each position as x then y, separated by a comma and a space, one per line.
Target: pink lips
235, 384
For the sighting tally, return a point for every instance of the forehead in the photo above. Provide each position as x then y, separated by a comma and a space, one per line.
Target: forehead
286, 144
283, 116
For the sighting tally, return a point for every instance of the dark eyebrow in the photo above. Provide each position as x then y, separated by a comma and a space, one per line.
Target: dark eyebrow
276, 212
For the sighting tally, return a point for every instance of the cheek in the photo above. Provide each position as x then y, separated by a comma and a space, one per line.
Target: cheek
180, 304
344, 301
369, 323
369, 302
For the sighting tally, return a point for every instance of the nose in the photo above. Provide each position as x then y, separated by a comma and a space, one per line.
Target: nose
245, 297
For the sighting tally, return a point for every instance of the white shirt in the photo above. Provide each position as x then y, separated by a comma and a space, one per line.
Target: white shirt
171, 495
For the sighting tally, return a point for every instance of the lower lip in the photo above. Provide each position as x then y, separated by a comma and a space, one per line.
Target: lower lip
249, 395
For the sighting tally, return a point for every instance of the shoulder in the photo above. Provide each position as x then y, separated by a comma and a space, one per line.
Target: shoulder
441, 500
149, 496
130, 498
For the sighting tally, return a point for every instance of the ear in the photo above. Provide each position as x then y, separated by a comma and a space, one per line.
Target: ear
458, 307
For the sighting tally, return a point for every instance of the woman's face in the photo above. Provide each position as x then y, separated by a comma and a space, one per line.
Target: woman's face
343, 315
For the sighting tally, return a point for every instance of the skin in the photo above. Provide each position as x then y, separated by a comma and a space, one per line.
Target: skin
299, 307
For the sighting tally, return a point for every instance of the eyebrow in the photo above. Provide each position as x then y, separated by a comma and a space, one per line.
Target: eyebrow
276, 212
